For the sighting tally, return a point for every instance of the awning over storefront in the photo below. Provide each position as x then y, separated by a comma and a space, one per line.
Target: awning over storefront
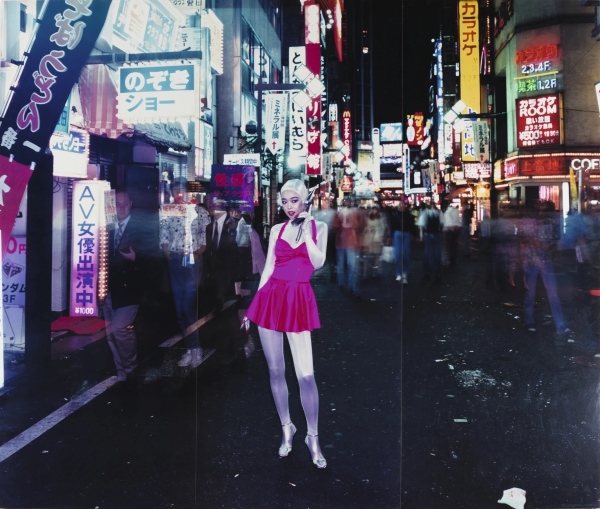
99, 104
170, 134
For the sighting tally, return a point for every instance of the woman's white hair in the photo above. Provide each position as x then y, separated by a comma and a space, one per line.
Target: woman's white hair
295, 185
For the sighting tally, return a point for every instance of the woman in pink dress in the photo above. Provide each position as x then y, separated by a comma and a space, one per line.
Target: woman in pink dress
285, 302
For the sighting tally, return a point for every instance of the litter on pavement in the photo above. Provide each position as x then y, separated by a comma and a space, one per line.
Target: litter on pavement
515, 497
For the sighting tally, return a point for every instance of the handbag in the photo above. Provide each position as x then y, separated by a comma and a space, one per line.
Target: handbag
387, 254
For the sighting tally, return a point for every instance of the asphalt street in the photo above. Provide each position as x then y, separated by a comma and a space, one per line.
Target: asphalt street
431, 395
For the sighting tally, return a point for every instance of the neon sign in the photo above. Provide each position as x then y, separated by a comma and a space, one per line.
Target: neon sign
537, 54
539, 121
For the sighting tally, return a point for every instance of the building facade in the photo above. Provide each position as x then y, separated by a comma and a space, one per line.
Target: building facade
545, 67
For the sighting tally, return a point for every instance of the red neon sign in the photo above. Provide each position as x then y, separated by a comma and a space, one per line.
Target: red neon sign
537, 54
539, 121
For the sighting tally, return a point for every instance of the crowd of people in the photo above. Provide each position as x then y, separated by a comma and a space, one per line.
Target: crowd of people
211, 256
519, 245
219, 255
362, 237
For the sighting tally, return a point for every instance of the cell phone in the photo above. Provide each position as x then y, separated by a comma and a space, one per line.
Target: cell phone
307, 206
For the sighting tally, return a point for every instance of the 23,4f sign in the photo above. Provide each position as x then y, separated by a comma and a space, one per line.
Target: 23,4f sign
539, 121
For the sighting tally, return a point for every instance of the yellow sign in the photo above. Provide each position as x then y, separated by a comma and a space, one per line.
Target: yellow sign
468, 47
573, 185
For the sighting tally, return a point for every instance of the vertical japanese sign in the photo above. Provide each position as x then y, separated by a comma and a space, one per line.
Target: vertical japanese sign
414, 129
88, 219
232, 186
297, 114
64, 39
347, 136
207, 134
597, 87
481, 133
439, 101
276, 112
312, 40
468, 47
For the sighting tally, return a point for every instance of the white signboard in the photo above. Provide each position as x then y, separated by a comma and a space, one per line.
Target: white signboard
242, 159
276, 113
70, 151
298, 143
448, 139
157, 93
598, 93
188, 7
189, 39
481, 135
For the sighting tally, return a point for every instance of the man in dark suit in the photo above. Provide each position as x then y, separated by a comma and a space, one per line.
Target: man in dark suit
221, 257
124, 287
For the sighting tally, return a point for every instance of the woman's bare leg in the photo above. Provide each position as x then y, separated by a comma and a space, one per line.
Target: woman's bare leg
300, 345
272, 343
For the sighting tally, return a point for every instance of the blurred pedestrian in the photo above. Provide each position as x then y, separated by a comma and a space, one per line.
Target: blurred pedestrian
540, 237
327, 215
431, 222
402, 226
576, 260
179, 245
467, 219
373, 236
125, 261
198, 228
347, 225
451, 233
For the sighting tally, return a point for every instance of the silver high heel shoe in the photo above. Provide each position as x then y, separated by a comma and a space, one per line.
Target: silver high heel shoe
286, 446
315, 452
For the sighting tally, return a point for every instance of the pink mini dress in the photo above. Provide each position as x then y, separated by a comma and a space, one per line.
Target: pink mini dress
287, 302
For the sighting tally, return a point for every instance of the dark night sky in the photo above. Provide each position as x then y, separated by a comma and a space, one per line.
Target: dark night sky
402, 70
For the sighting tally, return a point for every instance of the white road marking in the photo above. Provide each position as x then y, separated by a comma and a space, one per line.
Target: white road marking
178, 337
48, 422
39, 428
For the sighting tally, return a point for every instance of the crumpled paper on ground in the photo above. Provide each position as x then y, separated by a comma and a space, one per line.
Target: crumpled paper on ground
515, 497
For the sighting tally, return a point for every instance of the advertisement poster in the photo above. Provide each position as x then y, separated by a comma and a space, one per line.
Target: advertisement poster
146, 26
87, 260
13, 272
539, 121
232, 186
